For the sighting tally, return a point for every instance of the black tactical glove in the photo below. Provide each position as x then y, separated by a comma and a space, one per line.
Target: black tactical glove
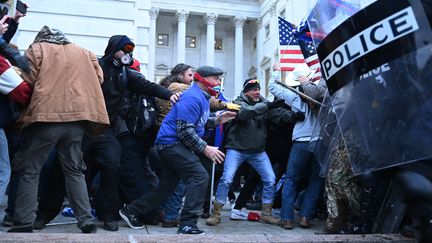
276, 104
298, 116
14, 56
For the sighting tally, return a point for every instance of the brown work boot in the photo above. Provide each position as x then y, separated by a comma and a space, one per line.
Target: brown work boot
215, 218
287, 224
304, 223
266, 215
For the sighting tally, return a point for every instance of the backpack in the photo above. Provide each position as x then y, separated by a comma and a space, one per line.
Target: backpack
141, 116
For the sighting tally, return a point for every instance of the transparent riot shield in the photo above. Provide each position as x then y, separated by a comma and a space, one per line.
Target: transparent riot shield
325, 130
377, 67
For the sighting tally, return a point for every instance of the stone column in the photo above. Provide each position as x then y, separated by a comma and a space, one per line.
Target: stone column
239, 22
154, 12
210, 19
182, 16
259, 56
274, 30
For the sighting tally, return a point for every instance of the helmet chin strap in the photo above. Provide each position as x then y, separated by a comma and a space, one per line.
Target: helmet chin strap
207, 84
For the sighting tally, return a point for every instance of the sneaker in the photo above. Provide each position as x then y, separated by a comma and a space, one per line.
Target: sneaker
110, 223
89, 229
190, 230
131, 219
237, 214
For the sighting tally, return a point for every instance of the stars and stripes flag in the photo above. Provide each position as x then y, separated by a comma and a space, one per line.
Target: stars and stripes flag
296, 46
289, 51
309, 51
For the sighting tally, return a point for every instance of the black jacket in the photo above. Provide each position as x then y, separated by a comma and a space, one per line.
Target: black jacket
113, 86
248, 131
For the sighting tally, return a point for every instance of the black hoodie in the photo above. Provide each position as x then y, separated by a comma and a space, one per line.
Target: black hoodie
113, 86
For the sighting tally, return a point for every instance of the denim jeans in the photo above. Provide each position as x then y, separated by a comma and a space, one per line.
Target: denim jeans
300, 159
173, 204
259, 161
5, 169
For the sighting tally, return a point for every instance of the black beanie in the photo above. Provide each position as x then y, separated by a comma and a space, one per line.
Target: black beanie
123, 42
250, 83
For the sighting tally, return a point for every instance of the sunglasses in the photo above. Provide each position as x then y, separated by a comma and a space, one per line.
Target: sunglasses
128, 48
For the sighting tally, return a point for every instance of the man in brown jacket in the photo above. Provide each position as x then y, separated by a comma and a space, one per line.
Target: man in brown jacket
67, 99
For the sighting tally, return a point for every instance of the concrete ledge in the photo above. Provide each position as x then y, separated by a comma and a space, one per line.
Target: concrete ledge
134, 238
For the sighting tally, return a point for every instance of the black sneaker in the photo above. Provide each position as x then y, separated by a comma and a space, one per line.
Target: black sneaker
39, 223
131, 219
88, 229
21, 228
7, 220
190, 230
110, 223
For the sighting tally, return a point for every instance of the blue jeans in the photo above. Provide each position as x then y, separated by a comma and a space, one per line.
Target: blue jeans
5, 169
259, 161
299, 159
173, 204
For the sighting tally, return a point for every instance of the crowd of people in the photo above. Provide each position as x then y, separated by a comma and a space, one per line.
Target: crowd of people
97, 132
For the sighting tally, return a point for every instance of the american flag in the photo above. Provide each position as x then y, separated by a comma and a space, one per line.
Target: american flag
296, 46
289, 50
309, 51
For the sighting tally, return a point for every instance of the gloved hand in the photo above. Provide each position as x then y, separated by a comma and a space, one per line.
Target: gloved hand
298, 116
276, 104
232, 107
14, 56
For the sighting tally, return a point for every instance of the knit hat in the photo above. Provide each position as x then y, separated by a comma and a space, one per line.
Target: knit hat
250, 84
125, 41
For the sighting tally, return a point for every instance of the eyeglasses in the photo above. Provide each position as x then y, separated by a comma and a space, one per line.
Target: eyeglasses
128, 48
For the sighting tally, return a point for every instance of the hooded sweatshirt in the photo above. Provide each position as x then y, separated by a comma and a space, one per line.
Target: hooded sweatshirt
114, 86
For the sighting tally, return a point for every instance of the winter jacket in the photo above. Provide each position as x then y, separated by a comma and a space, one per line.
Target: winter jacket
248, 131
66, 81
114, 86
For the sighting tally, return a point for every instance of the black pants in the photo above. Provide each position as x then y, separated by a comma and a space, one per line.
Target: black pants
178, 163
104, 151
135, 174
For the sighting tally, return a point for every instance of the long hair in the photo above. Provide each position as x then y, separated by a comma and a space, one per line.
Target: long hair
175, 75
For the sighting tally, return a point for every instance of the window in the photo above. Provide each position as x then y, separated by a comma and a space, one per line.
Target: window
162, 39
218, 45
191, 42
254, 43
267, 31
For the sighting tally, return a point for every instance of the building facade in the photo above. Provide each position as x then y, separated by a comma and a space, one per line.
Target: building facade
238, 36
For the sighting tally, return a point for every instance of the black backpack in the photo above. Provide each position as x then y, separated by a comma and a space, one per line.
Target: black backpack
141, 115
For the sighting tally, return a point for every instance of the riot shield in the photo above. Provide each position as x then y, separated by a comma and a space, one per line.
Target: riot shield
376, 66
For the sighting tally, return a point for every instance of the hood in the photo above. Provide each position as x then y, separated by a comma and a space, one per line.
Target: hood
51, 35
246, 99
110, 49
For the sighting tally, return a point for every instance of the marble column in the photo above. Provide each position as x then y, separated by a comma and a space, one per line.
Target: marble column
154, 12
239, 22
259, 47
182, 16
210, 19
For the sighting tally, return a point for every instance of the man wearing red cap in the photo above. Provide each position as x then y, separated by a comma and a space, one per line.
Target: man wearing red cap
180, 144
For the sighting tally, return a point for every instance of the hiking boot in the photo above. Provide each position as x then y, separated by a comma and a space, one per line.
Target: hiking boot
287, 225
304, 223
190, 230
237, 214
215, 219
130, 219
170, 223
266, 215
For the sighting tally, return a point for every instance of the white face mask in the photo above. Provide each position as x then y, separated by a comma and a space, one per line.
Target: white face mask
124, 60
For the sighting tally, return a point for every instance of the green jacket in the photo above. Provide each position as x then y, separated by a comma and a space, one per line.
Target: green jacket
248, 130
